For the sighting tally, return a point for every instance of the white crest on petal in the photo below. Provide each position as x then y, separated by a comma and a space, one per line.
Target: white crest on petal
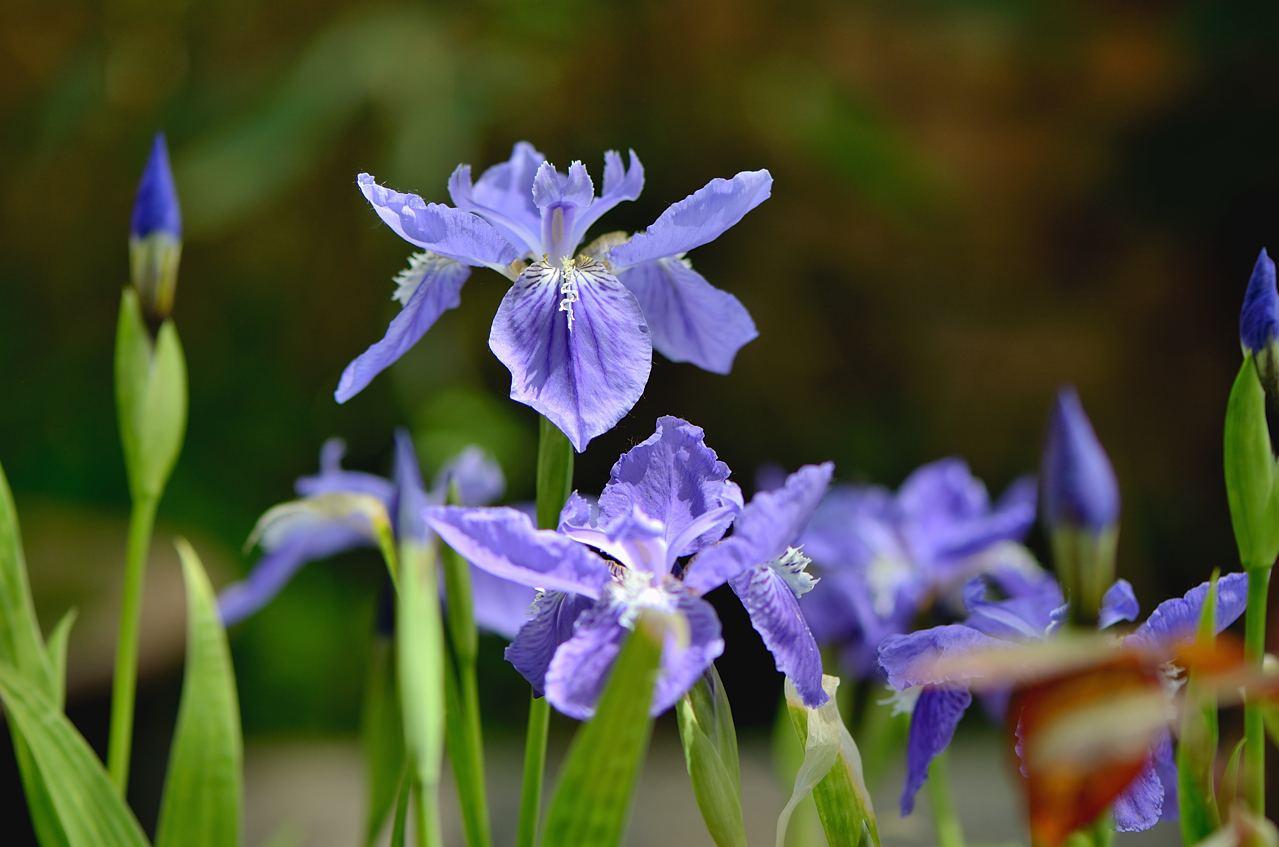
903, 702
420, 264
634, 590
792, 567
884, 575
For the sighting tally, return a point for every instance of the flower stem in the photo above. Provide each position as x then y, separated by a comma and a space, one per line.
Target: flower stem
141, 523
426, 816
1253, 719
945, 821
554, 482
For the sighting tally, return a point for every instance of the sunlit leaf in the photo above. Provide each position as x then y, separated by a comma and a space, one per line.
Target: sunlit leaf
419, 648
592, 799
204, 787
382, 739
831, 771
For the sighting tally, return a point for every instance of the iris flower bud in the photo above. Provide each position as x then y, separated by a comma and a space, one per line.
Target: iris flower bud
155, 235
1080, 506
1252, 418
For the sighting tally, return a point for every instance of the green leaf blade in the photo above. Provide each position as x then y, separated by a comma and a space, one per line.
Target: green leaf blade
382, 740
203, 792
592, 799
89, 810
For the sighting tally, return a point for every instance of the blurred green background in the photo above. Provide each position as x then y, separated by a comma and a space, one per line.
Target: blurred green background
974, 203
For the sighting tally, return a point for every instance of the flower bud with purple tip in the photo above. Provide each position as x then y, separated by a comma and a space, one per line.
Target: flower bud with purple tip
1080, 506
155, 234
1252, 423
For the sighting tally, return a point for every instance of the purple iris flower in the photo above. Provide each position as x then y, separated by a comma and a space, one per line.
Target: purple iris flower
500, 606
939, 703
1259, 318
578, 326
886, 558
668, 498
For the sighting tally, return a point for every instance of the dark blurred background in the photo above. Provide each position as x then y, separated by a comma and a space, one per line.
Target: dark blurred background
974, 203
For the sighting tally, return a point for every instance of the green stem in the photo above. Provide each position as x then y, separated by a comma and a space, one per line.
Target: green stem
539, 717
141, 524
1253, 717
945, 821
554, 482
426, 816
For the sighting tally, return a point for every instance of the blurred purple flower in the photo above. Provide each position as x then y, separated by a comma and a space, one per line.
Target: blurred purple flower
667, 498
500, 606
884, 559
940, 703
577, 328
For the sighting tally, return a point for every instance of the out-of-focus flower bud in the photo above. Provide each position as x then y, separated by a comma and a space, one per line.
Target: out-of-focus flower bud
1252, 415
1080, 506
155, 235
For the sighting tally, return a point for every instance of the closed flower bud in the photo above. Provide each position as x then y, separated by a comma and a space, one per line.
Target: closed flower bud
1080, 507
155, 235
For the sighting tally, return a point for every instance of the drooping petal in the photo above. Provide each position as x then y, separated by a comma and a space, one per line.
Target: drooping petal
620, 184
684, 663
699, 218
549, 624
691, 320
478, 478
775, 614
1166, 768
577, 347
1176, 619
1141, 805
674, 478
333, 478
411, 500
579, 670
450, 232
502, 607
578, 673
767, 525
277, 567
438, 288
503, 542
503, 195
932, 725
1118, 604
910, 660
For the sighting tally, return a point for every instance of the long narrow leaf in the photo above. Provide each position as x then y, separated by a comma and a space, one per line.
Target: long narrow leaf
420, 651
56, 651
203, 791
593, 796
1197, 749
89, 810
382, 739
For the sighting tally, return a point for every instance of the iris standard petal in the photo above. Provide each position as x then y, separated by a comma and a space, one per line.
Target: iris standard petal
576, 344
1118, 604
333, 478
1176, 619
699, 218
621, 183
548, 624
503, 195
932, 725
411, 500
274, 570
910, 660
674, 478
441, 229
767, 525
438, 289
691, 320
503, 542
774, 612
478, 478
